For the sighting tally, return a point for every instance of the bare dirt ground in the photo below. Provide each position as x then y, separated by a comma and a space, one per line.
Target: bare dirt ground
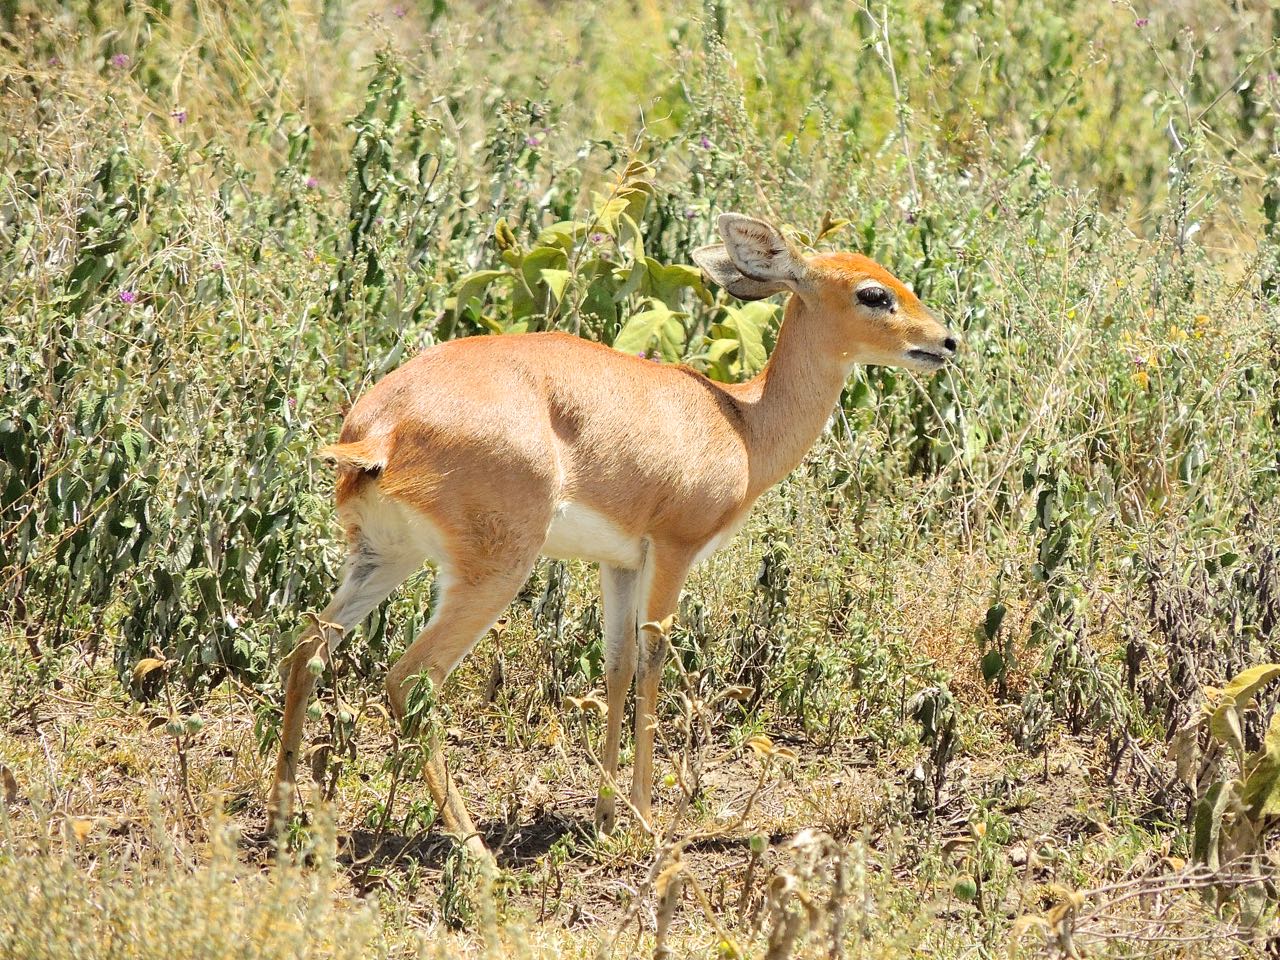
109, 771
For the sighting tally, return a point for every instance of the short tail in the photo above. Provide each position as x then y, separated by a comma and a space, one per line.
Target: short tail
368, 455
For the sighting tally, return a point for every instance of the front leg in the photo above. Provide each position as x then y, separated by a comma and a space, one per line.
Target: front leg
618, 588
667, 568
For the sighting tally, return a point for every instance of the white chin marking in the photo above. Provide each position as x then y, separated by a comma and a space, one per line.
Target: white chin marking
922, 362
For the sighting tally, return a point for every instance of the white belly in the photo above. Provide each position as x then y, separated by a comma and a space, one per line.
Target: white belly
716, 542
579, 533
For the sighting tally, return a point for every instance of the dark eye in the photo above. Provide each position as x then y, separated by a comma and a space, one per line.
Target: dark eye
877, 298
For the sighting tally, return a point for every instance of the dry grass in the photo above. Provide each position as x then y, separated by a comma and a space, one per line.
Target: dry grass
1117, 391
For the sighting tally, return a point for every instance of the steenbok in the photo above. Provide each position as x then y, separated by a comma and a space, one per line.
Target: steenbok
482, 454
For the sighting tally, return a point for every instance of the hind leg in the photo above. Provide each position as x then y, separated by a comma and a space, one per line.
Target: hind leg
369, 577
474, 590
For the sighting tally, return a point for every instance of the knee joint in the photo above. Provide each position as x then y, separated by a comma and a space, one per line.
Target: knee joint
653, 651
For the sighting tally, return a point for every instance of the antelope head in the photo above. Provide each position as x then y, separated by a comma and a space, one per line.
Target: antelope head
869, 315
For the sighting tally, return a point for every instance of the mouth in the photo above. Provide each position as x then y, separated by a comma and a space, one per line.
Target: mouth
926, 358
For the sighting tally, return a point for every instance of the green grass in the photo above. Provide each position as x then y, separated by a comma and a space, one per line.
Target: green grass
976, 613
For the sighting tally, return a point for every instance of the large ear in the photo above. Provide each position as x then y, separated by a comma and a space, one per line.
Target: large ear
755, 260
719, 266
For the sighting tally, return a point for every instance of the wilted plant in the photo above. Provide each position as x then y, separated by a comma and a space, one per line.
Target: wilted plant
1236, 792
220, 221
934, 709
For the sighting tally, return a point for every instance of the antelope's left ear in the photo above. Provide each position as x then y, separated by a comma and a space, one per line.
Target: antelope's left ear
719, 266
760, 251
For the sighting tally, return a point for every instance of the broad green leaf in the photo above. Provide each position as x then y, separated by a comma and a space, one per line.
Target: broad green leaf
132, 442
992, 665
539, 259
743, 327
636, 277
717, 358
1225, 724
1234, 697
637, 194
1262, 788
630, 236
608, 210
658, 326
721, 351
1208, 823
556, 280
667, 281
530, 294
563, 234
596, 280
995, 617
472, 288
1244, 685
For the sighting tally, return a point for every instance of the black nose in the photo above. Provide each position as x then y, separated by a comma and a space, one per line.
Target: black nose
950, 344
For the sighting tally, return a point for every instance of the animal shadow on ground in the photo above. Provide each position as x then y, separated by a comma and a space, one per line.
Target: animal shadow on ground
367, 854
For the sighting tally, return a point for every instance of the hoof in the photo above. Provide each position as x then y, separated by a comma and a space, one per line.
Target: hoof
481, 854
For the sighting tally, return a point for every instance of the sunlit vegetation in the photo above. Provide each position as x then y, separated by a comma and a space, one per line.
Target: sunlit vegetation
964, 682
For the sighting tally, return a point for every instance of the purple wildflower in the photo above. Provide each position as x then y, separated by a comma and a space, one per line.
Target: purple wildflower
312, 183
55, 62
1141, 22
179, 116
598, 238
120, 61
128, 296
399, 10
293, 402
690, 213
705, 142
532, 141
216, 265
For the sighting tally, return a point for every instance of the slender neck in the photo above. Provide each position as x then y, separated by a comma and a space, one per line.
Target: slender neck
788, 403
